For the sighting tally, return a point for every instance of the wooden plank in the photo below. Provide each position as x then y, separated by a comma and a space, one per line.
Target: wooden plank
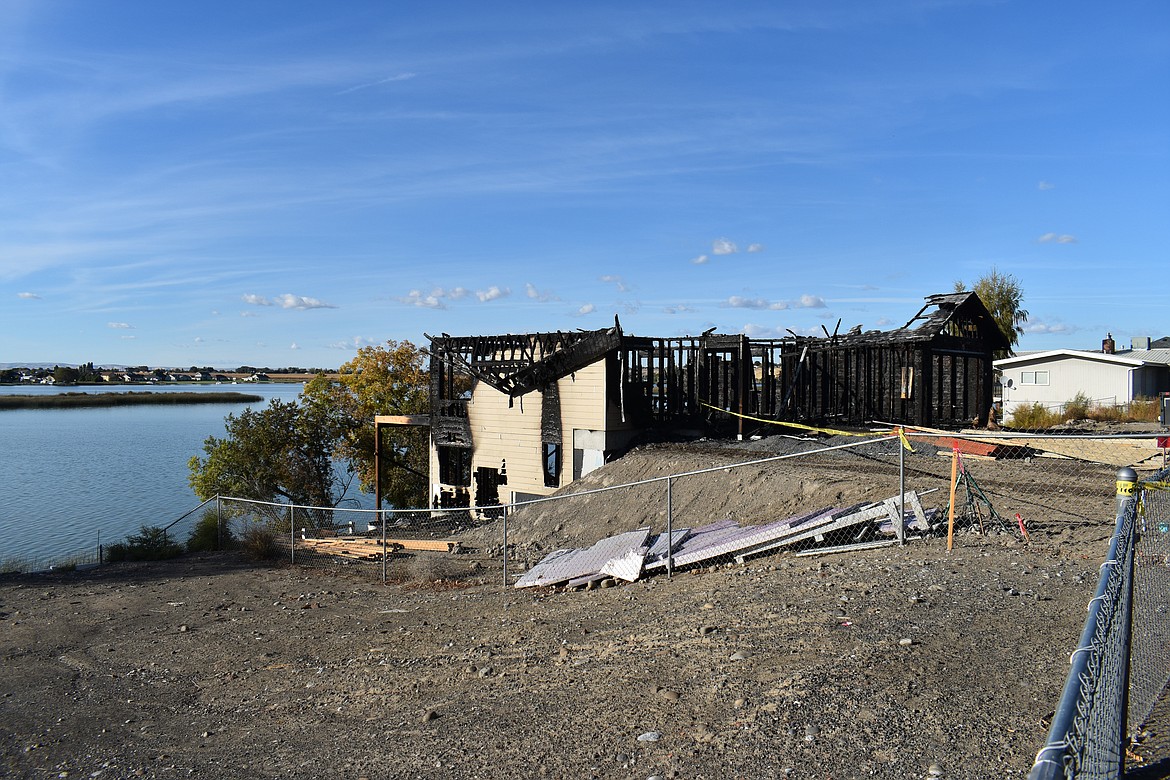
847, 548
421, 545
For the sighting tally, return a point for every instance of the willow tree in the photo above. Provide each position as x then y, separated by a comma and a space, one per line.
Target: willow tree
1003, 296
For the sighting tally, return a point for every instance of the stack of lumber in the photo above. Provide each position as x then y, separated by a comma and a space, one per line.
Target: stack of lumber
370, 548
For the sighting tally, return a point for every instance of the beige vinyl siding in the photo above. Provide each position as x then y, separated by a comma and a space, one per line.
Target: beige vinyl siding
512, 435
583, 400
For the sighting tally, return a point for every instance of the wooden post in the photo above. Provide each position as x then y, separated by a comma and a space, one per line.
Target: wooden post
954, 484
378, 468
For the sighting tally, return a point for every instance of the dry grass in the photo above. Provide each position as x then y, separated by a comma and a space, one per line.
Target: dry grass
1081, 407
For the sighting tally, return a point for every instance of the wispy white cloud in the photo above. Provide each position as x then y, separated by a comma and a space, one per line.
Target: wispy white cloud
700, 260
354, 344
198, 339
762, 331
256, 300
294, 346
492, 293
681, 308
755, 248
1040, 328
436, 298
119, 325
301, 302
249, 314
588, 308
28, 296
810, 302
803, 302
423, 300
1045, 185
740, 302
538, 295
615, 280
723, 246
387, 80
1054, 238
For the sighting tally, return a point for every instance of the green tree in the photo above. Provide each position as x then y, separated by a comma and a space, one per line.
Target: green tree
65, 375
380, 380
281, 452
1002, 294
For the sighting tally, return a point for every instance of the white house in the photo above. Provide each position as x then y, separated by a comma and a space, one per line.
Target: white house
1107, 377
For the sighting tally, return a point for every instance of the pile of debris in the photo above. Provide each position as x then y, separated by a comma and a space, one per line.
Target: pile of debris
630, 555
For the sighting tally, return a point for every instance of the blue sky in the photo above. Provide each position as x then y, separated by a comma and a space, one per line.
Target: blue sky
279, 183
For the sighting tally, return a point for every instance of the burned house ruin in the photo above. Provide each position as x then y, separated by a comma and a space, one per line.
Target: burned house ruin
516, 416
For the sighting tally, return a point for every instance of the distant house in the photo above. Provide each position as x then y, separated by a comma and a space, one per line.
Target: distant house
516, 416
259, 376
132, 376
179, 378
201, 376
1109, 377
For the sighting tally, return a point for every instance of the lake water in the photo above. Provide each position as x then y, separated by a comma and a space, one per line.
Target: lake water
68, 476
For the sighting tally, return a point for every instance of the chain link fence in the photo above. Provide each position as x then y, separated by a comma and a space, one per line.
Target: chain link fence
710, 504
1120, 666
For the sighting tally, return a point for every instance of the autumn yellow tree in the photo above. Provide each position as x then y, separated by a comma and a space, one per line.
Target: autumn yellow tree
382, 379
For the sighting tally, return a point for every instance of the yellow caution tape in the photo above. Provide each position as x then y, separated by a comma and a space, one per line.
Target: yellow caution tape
831, 431
1155, 485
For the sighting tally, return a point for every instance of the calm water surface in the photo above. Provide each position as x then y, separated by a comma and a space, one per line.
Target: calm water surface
68, 476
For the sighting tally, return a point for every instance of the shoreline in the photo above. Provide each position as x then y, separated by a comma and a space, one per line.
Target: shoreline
76, 400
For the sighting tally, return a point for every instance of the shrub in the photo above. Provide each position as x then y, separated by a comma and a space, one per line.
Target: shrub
151, 543
210, 533
1145, 410
1078, 407
1033, 417
259, 543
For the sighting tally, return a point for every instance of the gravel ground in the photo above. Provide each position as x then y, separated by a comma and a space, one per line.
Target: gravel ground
897, 662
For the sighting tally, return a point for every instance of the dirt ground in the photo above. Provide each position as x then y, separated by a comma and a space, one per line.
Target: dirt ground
900, 662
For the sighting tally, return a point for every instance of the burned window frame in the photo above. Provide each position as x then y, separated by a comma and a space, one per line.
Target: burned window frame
454, 465
552, 456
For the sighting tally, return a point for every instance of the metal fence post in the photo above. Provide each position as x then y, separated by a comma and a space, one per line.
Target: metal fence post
292, 534
218, 524
505, 546
1127, 483
382, 522
901, 529
669, 528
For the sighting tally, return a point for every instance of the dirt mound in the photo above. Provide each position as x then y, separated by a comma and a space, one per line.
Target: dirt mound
796, 475
750, 494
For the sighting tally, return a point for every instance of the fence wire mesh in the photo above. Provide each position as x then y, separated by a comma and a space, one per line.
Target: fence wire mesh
732, 501
1120, 667
1150, 657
